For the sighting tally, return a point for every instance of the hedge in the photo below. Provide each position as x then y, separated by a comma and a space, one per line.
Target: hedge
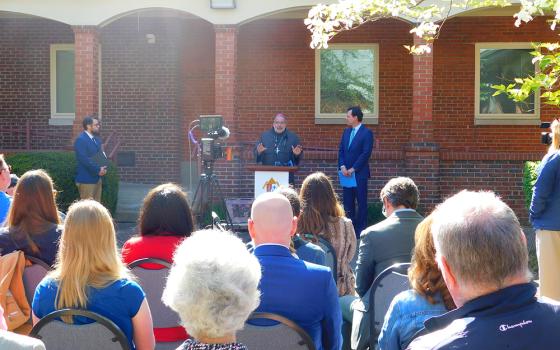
529, 179
61, 166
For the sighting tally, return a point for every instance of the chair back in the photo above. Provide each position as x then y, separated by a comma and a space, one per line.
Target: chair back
330, 255
58, 335
153, 283
282, 334
32, 276
384, 288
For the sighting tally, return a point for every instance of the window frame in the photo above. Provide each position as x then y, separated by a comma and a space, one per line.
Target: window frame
505, 118
59, 118
340, 118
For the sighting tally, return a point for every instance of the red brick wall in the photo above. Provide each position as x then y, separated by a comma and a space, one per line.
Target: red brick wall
141, 89
25, 82
454, 75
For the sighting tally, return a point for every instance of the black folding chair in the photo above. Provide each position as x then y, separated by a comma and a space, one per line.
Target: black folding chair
282, 334
384, 288
102, 333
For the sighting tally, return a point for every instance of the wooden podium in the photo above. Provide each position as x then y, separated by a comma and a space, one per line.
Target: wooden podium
269, 177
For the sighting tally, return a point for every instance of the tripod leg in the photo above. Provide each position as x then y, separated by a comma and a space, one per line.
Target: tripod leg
222, 202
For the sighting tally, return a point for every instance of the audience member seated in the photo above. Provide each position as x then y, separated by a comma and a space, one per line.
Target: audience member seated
482, 254
89, 275
323, 216
300, 291
428, 297
213, 287
32, 224
382, 245
5, 200
304, 250
14, 341
165, 220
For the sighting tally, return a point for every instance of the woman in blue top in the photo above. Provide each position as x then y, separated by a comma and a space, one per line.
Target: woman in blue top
89, 275
545, 216
33, 221
428, 297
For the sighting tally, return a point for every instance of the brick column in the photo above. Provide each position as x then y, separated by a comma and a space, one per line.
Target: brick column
86, 53
422, 152
225, 75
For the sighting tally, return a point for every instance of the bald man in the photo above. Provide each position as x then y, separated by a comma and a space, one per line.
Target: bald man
303, 292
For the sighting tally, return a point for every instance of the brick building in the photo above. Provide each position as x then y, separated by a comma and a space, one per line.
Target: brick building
148, 72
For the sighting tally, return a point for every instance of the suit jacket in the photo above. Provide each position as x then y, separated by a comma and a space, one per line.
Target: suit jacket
357, 155
303, 292
13, 341
87, 171
381, 245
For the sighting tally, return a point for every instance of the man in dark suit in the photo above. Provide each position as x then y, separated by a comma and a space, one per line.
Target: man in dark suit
88, 150
354, 151
382, 245
300, 291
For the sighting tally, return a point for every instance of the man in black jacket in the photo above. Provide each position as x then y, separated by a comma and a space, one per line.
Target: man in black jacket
482, 254
278, 145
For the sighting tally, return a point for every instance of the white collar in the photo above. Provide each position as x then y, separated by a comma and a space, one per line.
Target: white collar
357, 127
90, 135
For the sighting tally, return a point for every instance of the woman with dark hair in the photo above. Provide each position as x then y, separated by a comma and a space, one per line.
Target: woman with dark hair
428, 297
165, 220
32, 224
323, 216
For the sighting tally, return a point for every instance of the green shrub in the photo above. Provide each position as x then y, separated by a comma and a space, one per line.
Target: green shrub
61, 166
529, 179
374, 213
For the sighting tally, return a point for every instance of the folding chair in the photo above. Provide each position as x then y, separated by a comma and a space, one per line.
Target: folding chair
282, 334
102, 333
153, 282
384, 288
330, 255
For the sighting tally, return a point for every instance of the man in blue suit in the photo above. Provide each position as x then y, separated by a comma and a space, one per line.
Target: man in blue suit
300, 291
353, 160
88, 148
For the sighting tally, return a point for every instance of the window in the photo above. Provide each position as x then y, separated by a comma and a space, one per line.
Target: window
346, 75
501, 63
63, 101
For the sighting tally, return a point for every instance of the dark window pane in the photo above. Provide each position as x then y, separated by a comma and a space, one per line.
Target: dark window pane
502, 66
347, 79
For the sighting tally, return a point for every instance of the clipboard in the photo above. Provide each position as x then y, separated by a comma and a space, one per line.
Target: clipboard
100, 159
347, 181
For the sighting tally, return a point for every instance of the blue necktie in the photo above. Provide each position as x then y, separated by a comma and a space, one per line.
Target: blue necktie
352, 134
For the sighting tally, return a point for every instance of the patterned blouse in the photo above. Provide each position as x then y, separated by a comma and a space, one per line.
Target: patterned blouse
193, 344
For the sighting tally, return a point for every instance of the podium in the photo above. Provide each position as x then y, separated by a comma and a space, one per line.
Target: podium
270, 177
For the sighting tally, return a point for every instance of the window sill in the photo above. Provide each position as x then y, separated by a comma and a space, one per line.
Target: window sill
61, 121
507, 121
368, 120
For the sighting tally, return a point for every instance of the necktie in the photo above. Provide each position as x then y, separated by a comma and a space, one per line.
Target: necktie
352, 134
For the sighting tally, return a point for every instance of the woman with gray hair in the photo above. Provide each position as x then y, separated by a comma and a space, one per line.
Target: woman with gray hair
212, 285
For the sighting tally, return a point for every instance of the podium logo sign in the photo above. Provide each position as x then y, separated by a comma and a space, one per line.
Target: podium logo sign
271, 185
268, 181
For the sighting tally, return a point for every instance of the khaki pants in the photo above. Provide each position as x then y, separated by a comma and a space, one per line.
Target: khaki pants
548, 255
92, 191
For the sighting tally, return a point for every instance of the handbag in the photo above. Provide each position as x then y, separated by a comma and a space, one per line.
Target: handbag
12, 293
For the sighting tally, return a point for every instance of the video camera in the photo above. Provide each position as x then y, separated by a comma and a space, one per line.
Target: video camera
215, 132
546, 137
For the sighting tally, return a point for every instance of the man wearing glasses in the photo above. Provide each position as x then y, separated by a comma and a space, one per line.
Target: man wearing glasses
5, 200
91, 160
279, 146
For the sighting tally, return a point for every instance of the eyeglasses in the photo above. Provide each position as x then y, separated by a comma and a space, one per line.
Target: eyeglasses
8, 167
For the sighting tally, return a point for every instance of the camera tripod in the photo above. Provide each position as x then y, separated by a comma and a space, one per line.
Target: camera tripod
208, 193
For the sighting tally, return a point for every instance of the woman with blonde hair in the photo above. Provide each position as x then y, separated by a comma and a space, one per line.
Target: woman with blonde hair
322, 215
32, 224
89, 275
428, 297
544, 214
